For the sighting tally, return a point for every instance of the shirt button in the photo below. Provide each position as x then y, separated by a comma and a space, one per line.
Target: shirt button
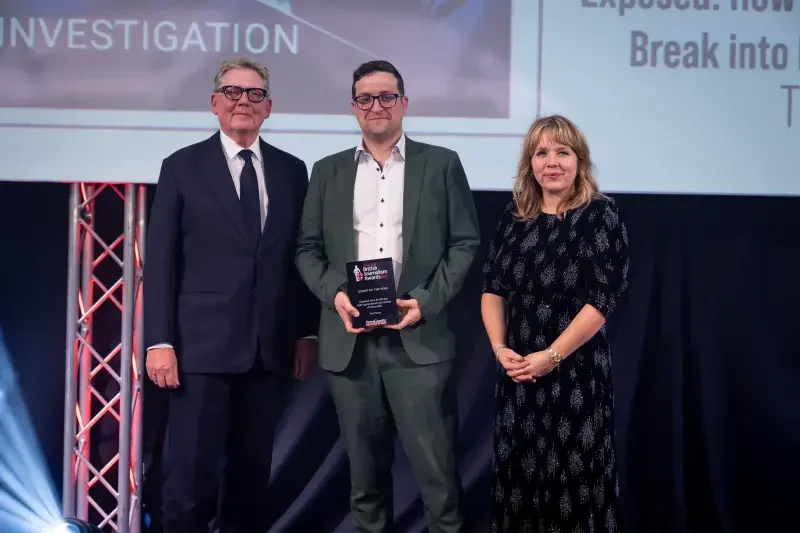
381, 224
381, 200
380, 250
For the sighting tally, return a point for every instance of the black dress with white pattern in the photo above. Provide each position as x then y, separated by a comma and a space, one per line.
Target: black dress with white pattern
554, 462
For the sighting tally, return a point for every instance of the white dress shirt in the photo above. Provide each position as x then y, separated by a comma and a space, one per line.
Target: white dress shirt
236, 164
378, 206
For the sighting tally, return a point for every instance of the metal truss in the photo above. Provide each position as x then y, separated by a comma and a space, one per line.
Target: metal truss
102, 476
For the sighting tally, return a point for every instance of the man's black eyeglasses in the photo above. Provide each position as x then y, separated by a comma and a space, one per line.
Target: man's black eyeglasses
365, 101
232, 92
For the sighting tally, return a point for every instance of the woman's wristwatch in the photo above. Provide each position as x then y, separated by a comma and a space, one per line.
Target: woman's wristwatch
555, 356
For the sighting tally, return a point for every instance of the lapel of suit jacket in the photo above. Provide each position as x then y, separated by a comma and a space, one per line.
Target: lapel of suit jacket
218, 177
412, 186
276, 184
344, 187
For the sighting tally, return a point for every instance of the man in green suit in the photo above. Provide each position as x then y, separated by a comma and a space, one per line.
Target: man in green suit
391, 197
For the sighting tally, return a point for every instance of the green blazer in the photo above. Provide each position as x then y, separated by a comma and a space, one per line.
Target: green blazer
441, 237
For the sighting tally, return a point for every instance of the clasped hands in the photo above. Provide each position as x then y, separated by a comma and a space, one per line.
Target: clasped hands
525, 369
410, 313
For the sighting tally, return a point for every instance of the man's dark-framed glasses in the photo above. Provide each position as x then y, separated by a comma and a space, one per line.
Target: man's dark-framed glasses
233, 92
365, 101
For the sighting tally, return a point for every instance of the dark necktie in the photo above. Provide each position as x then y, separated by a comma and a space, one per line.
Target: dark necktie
248, 194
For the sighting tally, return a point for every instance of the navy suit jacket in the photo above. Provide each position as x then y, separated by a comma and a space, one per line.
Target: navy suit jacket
216, 298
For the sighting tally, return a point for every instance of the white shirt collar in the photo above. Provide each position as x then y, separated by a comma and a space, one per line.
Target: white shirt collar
399, 148
232, 149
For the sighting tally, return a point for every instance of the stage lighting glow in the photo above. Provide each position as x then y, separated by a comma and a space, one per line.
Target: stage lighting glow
61, 528
28, 502
73, 525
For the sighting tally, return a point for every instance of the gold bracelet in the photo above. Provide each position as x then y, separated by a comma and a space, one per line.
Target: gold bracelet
555, 356
498, 349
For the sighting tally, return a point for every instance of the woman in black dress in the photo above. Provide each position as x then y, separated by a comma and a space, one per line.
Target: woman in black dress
556, 268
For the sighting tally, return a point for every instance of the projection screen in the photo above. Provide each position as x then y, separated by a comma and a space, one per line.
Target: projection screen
675, 96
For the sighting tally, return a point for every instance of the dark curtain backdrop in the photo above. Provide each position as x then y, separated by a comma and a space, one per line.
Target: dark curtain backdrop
706, 368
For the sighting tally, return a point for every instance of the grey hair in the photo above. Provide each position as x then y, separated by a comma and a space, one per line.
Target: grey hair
242, 62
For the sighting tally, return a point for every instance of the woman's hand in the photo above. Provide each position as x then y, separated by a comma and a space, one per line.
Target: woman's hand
535, 365
510, 360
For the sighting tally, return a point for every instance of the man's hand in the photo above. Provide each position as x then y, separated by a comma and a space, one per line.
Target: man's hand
162, 367
346, 311
305, 355
410, 314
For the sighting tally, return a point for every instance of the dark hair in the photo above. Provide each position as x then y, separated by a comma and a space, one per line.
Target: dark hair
371, 67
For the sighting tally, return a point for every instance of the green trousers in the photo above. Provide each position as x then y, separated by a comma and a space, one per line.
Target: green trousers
381, 394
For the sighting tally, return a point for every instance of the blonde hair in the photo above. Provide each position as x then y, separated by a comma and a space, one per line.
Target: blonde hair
242, 62
527, 191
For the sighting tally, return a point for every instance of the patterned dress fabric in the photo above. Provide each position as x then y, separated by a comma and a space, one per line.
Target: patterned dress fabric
554, 462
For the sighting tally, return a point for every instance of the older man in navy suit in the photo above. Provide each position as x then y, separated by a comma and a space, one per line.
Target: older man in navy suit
226, 318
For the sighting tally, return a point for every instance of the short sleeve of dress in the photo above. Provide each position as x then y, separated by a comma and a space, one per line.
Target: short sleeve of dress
605, 253
491, 267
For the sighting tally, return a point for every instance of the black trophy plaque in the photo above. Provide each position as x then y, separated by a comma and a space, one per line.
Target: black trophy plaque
371, 289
